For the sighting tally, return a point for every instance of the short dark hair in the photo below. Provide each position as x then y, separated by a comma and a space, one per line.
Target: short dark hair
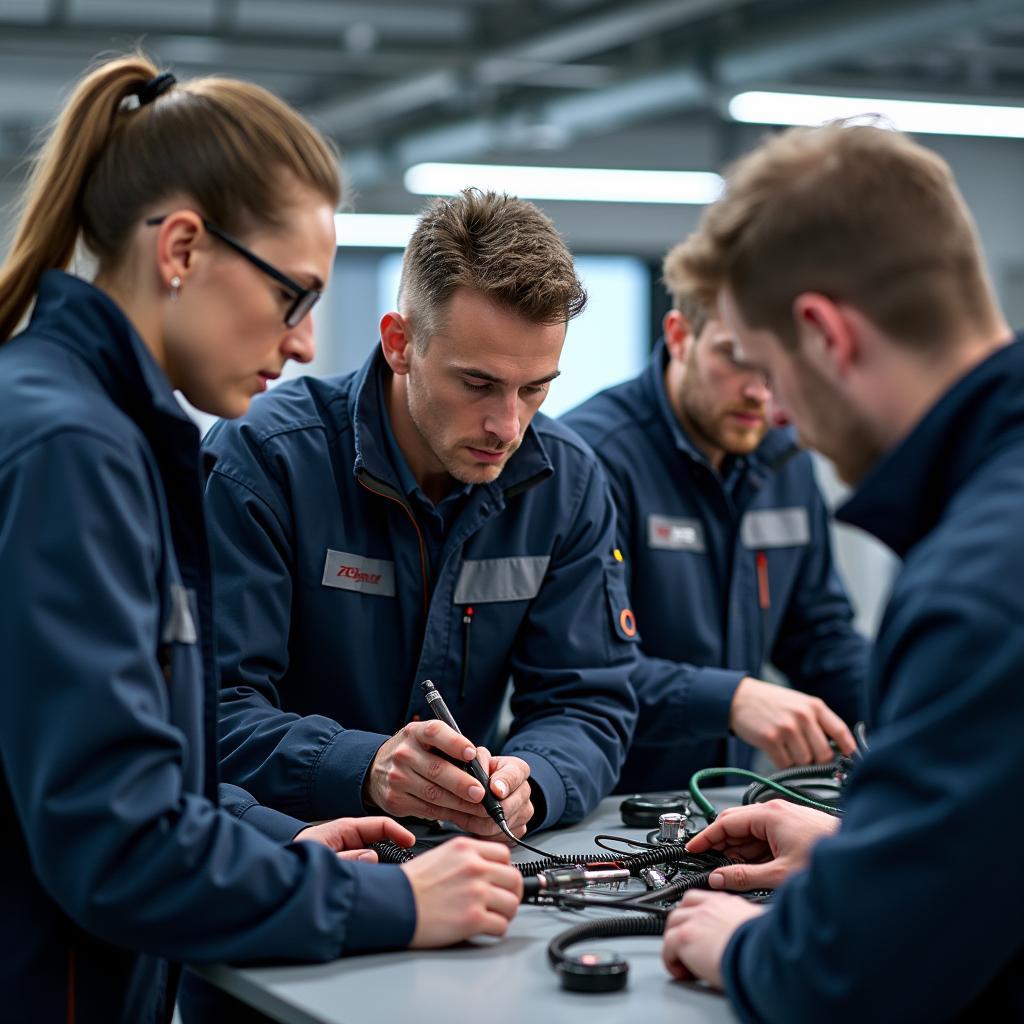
495, 244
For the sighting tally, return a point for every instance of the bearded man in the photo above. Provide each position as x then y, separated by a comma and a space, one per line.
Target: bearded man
726, 541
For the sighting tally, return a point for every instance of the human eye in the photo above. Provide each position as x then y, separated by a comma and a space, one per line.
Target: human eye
475, 387
728, 351
533, 390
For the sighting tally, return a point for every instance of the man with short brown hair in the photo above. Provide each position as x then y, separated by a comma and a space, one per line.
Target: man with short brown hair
849, 271
417, 519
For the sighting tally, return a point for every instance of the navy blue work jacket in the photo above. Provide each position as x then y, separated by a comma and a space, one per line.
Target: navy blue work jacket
116, 857
331, 611
692, 540
908, 914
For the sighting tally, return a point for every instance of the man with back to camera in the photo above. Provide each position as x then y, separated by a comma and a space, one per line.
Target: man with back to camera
727, 545
415, 520
848, 269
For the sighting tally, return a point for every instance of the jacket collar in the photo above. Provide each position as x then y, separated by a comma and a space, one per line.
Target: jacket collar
84, 319
778, 445
906, 492
530, 464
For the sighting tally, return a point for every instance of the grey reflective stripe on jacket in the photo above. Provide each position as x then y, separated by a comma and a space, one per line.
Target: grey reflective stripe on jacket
483, 580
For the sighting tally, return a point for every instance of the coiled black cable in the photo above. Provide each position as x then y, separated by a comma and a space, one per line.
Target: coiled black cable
610, 928
650, 922
535, 867
800, 773
670, 853
666, 853
391, 853
671, 893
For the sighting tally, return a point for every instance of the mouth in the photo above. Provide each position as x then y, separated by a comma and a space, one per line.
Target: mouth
265, 377
487, 455
748, 419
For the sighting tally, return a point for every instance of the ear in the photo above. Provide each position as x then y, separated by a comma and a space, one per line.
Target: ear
678, 335
396, 342
825, 330
177, 241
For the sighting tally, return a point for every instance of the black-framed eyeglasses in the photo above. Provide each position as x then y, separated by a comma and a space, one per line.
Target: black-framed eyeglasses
305, 298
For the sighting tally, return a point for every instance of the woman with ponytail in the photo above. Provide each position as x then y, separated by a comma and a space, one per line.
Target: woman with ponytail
208, 208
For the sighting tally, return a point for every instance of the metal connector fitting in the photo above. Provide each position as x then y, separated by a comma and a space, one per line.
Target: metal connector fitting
672, 828
565, 879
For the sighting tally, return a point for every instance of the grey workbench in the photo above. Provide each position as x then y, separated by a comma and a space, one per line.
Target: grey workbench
506, 981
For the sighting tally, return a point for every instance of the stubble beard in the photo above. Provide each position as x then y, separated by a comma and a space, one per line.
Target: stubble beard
430, 432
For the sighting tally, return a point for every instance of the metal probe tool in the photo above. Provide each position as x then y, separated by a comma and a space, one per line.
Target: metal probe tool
491, 803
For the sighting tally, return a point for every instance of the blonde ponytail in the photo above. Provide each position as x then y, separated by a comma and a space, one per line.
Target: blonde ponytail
50, 218
229, 146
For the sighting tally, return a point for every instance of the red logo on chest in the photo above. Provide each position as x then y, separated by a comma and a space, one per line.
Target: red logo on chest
350, 572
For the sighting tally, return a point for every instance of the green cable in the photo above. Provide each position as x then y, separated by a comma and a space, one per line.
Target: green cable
708, 808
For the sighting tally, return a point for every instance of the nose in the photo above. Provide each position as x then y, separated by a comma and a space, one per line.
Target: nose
755, 389
503, 421
298, 343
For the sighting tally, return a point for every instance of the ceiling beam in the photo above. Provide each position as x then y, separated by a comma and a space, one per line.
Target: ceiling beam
792, 47
515, 63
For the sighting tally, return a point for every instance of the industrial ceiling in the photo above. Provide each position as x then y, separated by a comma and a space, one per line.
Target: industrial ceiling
398, 81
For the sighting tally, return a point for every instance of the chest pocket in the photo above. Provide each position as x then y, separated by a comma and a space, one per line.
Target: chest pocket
776, 528
488, 580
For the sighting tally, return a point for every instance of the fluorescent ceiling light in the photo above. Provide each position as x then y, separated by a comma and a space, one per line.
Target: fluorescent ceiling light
921, 116
375, 230
582, 184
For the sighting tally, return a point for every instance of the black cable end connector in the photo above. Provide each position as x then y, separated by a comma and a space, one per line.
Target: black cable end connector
594, 971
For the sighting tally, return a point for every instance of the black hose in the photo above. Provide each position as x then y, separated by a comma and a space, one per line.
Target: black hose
787, 776
609, 928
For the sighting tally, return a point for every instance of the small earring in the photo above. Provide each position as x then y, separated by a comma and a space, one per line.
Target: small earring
175, 288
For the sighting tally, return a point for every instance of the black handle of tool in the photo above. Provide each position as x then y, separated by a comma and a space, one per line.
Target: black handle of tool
440, 711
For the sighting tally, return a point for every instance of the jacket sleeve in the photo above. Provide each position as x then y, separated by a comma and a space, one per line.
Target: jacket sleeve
94, 762
678, 702
279, 826
273, 754
896, 894
572, 705
817, 647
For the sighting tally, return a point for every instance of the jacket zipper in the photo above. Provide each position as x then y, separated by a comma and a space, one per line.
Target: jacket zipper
423, 563
419, 537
